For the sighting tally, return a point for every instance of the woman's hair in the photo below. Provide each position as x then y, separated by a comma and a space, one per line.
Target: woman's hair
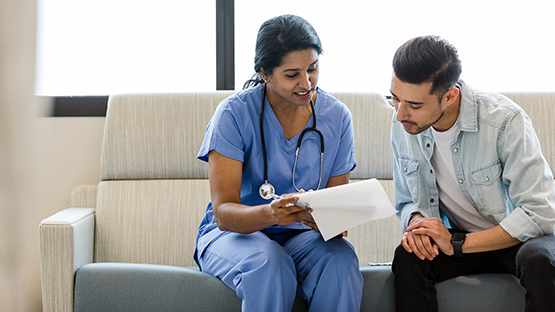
428, 59
277, 37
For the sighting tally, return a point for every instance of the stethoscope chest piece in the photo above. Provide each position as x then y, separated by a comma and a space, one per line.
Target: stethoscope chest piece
267, 191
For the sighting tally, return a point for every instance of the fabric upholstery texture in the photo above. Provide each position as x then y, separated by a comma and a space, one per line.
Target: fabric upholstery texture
540, 106
156, 136
149, 221
372, 148
57, 272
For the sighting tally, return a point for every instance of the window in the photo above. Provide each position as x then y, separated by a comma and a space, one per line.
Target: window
102, 47
110, 46
503, 45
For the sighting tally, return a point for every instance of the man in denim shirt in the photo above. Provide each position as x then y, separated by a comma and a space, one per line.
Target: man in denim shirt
472, 188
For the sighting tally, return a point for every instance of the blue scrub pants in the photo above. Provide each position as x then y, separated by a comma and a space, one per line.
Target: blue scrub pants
267, 273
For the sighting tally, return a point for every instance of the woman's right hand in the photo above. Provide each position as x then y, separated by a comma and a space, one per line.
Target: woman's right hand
284, 212
225, 177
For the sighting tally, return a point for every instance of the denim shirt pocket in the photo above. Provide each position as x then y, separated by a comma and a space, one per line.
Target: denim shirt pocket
409, 168
489, 187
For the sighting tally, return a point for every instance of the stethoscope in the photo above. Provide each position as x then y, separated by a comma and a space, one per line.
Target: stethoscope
267, 190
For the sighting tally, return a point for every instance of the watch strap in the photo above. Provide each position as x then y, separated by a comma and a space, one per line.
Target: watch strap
458, 240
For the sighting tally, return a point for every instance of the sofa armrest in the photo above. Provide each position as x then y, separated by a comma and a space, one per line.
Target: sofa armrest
66, 241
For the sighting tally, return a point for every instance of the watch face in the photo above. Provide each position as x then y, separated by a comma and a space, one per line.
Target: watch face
458, 238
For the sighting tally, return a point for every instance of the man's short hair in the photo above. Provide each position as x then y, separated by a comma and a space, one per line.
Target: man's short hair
428, 59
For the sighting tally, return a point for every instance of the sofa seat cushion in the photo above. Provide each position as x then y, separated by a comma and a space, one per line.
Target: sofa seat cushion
150, 287
135, 287
481, 292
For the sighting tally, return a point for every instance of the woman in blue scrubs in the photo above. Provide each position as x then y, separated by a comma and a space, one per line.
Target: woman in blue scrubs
263, 249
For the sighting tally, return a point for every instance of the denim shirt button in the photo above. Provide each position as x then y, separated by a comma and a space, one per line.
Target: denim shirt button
456, 150
405, 169
487, 179
431, 200
428, 145
460, 181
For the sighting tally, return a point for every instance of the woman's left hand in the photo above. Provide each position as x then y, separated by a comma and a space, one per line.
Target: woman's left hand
310, 223
315, 226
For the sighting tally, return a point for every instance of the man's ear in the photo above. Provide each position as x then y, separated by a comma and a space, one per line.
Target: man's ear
451, 96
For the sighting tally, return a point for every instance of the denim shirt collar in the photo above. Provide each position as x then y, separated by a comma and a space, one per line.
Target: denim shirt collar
468, 115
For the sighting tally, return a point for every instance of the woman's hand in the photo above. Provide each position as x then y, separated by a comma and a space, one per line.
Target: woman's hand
309, 221
284, 212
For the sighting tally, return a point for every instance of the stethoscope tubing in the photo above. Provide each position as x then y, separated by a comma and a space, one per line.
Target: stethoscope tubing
299, 142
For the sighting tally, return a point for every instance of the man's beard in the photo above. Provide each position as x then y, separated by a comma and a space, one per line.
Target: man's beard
420, 129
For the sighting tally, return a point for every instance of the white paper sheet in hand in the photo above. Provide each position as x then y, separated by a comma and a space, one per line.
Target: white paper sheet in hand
340, 208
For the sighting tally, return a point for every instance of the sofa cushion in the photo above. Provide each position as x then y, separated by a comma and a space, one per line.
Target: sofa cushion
147, 287
371, 123
540, 107
156, 136
142, 287
125, 287
481, 292
149, 221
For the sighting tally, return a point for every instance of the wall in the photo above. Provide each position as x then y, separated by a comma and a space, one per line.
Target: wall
41, 159
18, 261
66, 153
69, 156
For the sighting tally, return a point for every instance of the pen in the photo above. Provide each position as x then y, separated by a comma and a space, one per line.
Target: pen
298, 204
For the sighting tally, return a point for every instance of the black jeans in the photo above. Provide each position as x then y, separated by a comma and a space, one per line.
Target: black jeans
533, 262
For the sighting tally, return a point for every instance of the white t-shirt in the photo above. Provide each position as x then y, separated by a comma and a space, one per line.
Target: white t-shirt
455, 205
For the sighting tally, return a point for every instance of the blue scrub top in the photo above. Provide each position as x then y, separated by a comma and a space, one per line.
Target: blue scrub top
234, 132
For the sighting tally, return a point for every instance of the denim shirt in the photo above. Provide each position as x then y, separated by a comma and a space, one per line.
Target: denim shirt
498, 163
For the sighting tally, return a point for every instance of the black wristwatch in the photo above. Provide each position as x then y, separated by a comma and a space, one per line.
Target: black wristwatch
457, 239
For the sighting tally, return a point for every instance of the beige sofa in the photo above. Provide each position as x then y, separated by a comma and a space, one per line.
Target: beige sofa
126, 244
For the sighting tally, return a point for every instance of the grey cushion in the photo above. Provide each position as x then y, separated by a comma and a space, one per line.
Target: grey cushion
147, 287
481, 292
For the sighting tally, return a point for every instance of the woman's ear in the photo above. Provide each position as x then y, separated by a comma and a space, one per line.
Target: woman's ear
263, 75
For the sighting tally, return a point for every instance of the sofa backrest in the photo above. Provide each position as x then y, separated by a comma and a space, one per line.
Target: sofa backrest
153, 188
371, 122
156, 136
540, 106
154, 191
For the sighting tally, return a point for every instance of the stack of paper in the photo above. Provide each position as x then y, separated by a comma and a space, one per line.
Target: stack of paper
340, 208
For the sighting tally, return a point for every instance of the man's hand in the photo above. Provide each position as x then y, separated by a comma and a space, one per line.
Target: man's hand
421, 245
437, 236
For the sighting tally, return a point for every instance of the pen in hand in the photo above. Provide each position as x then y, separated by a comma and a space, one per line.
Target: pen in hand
298, 204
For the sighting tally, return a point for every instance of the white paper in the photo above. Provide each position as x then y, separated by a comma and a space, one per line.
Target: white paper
340, 208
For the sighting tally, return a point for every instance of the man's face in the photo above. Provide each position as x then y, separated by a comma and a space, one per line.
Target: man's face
416, 108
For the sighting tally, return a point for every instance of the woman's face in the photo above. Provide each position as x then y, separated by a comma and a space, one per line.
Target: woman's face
294, 82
